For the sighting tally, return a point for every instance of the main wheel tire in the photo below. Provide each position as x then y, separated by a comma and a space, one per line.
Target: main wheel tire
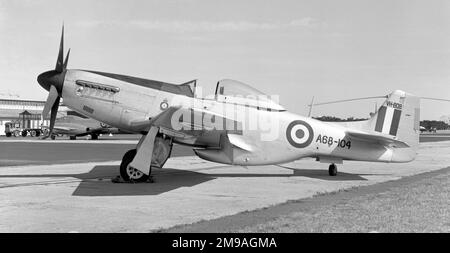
53, 137
38, 133
72, 137
16, 133
24, 133
94, 137
8, 134
129, 173
332, 170
33, 133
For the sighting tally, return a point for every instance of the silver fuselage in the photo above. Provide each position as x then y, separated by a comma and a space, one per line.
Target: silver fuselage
118, 103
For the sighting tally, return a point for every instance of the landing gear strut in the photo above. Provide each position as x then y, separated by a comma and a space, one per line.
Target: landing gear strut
332, 170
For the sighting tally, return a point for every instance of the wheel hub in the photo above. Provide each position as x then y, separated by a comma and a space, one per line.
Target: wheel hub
134, 173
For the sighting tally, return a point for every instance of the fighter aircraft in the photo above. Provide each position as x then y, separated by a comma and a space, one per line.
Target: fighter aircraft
239, 125
75, 126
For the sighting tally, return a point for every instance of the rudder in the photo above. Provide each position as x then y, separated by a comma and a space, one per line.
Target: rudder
399, 116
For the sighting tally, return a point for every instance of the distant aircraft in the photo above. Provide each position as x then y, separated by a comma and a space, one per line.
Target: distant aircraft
75, 126
431, 129
218, 127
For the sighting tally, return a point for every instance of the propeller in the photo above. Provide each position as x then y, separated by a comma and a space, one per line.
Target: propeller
53, 81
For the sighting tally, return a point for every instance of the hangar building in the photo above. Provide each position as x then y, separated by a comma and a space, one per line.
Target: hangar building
28, 112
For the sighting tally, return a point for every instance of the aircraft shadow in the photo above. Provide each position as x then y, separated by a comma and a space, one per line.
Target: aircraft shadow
323, 174
97, 182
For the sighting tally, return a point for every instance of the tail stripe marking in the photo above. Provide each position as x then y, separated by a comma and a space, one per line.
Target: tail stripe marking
380, 119
395, 122
388, 120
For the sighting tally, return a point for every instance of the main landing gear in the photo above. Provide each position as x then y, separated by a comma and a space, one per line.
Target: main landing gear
159, 152
129, 173
332, 170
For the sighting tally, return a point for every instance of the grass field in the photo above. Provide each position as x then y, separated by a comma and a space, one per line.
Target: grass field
413, 206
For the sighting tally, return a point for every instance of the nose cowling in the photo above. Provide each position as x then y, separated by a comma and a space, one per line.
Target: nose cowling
52, 78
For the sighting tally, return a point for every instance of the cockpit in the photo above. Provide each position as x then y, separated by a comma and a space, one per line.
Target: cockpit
232, 91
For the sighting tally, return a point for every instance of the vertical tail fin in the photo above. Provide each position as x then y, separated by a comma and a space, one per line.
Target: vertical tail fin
399, 116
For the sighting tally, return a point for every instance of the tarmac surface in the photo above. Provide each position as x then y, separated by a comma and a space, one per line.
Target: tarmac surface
59, 152
65, 186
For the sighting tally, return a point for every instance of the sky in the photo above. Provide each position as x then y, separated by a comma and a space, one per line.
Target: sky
293, 49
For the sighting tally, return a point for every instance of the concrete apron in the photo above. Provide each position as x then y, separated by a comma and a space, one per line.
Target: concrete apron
82, 198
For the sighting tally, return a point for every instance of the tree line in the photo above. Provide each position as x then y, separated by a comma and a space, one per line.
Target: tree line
336, 119
439, 125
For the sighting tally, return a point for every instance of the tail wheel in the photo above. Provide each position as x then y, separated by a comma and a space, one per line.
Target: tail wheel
332, 170
130, 173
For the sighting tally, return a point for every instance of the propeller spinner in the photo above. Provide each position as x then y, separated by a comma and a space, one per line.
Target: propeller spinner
53, 81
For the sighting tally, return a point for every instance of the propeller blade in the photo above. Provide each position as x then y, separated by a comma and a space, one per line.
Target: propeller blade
52, 96
53, 116
59, 62
66, 60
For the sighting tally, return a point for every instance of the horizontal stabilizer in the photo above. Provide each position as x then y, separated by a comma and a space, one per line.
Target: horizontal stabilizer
375, 137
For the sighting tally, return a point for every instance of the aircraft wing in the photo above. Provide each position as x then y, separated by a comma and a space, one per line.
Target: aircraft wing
62, 129
373, 137
98, 130
187, 127
162, 120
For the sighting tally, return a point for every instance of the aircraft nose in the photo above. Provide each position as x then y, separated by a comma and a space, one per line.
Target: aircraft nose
50, 78
43, 81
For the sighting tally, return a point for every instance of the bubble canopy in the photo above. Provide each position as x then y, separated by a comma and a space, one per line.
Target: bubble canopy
233, 91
